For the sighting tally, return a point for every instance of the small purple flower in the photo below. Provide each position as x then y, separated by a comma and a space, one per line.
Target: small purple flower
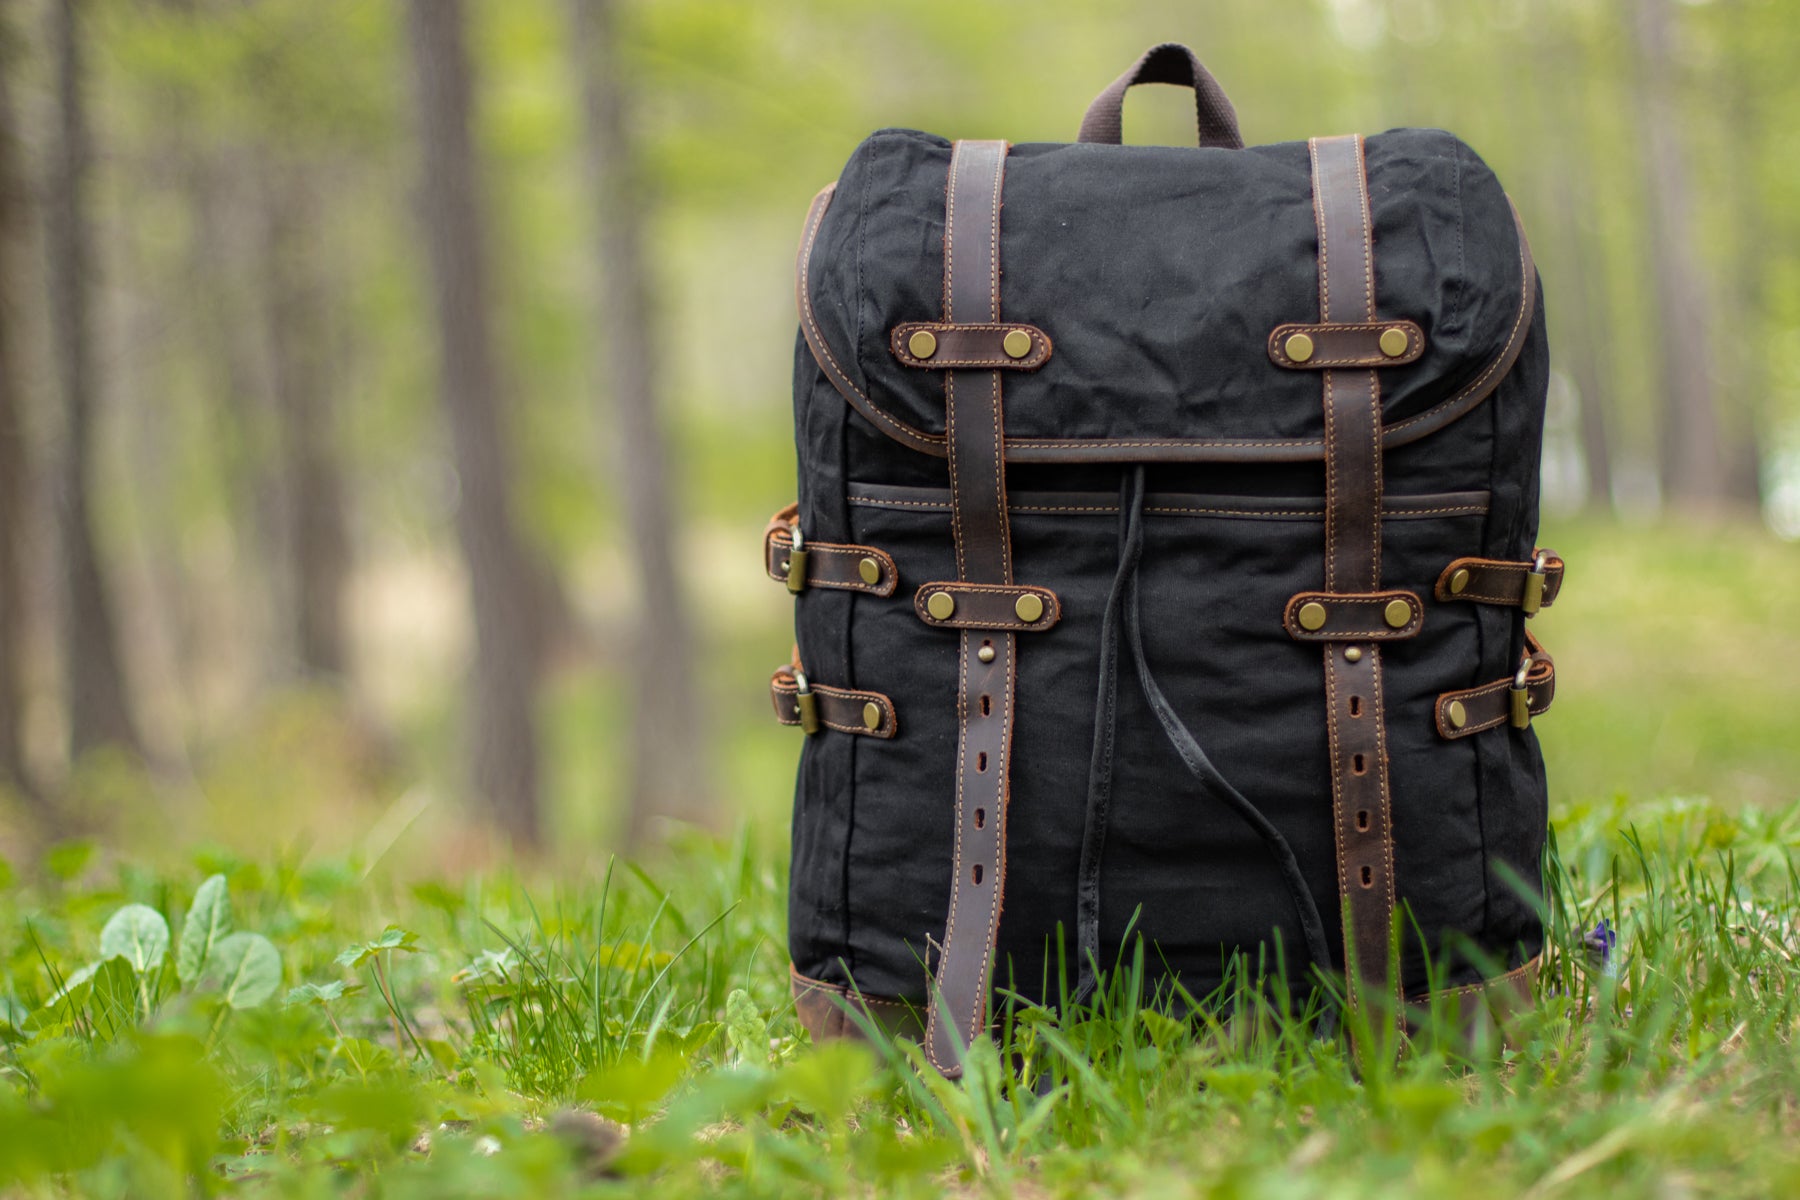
1599, 943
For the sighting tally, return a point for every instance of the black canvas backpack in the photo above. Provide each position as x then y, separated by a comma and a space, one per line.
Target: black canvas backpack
1162, 559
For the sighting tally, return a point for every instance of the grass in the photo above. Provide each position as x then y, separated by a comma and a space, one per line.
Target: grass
625, 1030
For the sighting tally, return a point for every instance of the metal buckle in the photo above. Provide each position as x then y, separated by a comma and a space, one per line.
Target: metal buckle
1521, 697
1533, 599
796, 562
806, 705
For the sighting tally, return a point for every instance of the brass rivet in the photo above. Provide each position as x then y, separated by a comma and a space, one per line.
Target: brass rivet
923, 343
1393, 342
985, 654
940, 605
870, 570
1459, 716
871, 716
1459, 579
1298, 347
1397, 613
1312, 616
1353, 654
1030, 607
1016, 343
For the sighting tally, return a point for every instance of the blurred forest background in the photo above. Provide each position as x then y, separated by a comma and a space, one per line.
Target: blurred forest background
392, 392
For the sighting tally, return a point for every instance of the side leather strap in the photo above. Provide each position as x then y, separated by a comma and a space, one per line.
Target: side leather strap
938, 345
824, 564
1524, 585
814, 706
987, 606
1355, 714
984, 699
1512, 701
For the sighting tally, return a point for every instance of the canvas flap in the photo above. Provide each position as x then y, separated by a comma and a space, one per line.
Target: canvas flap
1158, 274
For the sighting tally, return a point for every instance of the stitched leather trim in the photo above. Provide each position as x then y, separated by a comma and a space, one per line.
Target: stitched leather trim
1345, 344
987, 606
1047, 450
824, 1010
1490, 705
1497, 581
839, 708
828, 564
1353, 617
977, 345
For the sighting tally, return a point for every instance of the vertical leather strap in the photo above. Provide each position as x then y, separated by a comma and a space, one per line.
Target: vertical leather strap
984, 700
1355, 717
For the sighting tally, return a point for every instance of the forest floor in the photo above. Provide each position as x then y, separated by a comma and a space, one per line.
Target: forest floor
180, 1022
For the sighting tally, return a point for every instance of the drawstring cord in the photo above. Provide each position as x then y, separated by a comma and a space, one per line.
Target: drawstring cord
1124, 601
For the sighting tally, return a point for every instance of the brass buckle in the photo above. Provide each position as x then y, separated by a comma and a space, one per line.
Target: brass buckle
796, 562
806, 705
1521, 697
1533, 599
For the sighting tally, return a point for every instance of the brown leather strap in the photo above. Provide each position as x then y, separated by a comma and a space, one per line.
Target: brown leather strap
1496, 581
1525, 694
1174, 63
989, 606
1355, 714
1353, 344
824, 564
970, 345
983, 556
814, 706
1337, 617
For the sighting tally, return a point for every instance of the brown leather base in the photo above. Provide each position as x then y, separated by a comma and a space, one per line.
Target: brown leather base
828, 1010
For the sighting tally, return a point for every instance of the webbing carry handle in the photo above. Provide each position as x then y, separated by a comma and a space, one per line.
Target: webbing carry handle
1174, 63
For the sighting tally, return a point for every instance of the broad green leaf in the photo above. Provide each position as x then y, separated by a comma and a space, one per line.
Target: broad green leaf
208, 922
320, 993
629, 1090
828, 1081
392, 938
247, 967
138, 934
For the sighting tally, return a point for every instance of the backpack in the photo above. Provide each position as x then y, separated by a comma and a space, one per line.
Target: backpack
1162, 559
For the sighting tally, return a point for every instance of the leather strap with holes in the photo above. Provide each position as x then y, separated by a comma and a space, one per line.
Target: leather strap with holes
984, 701
1355, 715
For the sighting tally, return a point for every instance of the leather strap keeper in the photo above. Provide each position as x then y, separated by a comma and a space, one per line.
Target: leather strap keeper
975, 345
1344, 344
988, 606
825, 564
1496, 581
842, 709
1353, 617
1498, 703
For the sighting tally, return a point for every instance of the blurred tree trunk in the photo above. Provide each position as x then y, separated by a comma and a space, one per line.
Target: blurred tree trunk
1747, 373
317, 542
98, 712
1556, 55
14, 772
1693, 474
668, 766
500, 575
